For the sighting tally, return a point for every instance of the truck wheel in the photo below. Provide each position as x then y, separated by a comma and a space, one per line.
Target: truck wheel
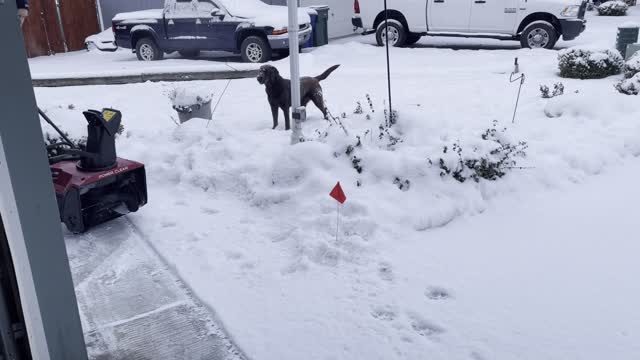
413, 38
397, 34
147, 50
255, 49
189, 54
539, 35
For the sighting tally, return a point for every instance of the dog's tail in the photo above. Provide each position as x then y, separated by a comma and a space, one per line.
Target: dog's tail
326, 74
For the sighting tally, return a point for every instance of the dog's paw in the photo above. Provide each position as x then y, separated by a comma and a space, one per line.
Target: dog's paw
274, 127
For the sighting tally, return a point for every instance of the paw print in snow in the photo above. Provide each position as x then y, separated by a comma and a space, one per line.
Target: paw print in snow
438, 293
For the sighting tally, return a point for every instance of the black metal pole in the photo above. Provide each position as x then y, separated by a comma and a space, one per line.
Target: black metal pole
386, 30
56, 128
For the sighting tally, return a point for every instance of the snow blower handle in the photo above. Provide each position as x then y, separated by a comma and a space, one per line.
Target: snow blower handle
62, 134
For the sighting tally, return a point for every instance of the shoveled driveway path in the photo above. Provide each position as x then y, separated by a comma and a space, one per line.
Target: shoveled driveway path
134, 307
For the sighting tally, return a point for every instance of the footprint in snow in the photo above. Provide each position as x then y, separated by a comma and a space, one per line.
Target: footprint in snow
424, 327
168, 224
234, 255
385, 271
438, 293
210, 211
384, 313
476, 356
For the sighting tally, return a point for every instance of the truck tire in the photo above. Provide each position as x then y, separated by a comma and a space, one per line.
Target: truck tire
539, 35
413, 38
189, 54
397, 33
148, 50
255, 49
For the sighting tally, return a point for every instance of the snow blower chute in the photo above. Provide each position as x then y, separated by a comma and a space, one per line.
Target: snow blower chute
92, 184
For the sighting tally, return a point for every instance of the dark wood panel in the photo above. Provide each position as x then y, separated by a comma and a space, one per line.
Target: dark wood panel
79, 20
40, 30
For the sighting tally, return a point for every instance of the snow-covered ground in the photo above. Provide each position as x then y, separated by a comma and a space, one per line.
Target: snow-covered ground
537, 265
600, 31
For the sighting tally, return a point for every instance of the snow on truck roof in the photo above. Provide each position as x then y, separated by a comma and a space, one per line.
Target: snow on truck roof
144, 14
262, 14
258, 12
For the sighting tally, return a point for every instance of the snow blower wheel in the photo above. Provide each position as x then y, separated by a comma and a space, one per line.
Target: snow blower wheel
92, 184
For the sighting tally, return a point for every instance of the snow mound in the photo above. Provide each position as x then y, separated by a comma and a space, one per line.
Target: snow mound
629, 86
632, 66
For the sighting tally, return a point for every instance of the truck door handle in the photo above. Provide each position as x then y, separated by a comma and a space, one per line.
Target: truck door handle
438, 1
480, 2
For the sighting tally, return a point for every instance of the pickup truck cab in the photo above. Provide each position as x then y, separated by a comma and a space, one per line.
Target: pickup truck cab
249, 27
535, 23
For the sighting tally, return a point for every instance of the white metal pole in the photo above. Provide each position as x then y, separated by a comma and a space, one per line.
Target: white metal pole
294, 45
100, 21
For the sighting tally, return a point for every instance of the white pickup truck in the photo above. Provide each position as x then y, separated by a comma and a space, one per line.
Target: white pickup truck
535, 23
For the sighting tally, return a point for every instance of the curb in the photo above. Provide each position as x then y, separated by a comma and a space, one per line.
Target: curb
141, 78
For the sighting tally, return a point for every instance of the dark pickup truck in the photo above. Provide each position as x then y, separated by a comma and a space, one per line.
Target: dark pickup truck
249, 27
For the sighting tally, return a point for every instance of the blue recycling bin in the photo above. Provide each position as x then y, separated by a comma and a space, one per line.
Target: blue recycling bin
314, 19
320, 22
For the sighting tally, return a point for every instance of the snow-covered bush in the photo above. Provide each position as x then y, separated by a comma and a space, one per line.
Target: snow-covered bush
558, 89
629, 86
184, 98
613, 8
52, 140
489, 160
587, 63
385, 137
632, 66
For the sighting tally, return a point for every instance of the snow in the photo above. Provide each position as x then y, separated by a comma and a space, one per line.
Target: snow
137, 16
536, 265
632, 66
262, 14
629, 25
123, 62
103, 37
255, 11
187, 95
630, 86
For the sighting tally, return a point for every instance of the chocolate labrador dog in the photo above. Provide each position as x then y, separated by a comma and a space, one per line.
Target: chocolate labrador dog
279, 91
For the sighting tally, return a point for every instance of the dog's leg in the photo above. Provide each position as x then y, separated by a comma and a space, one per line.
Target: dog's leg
287, 122
318, 100
274, 112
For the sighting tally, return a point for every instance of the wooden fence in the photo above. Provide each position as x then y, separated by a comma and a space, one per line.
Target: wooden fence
47, 31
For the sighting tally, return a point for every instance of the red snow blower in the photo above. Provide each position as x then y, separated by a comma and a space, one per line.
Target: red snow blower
92, 185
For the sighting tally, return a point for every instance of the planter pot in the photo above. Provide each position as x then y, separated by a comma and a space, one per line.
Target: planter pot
188, 112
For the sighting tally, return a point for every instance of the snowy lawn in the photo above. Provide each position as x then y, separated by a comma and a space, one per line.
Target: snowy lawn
531, 266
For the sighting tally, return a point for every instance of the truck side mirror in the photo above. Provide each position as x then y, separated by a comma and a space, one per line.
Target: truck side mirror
217, 13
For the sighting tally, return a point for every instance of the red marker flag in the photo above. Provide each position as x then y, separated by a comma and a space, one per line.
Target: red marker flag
338, 194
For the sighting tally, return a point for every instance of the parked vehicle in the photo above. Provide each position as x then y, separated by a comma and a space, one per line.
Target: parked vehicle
535, 23
249, 27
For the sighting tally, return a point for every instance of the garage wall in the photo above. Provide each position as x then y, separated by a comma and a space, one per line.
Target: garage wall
112, 7
339, 15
